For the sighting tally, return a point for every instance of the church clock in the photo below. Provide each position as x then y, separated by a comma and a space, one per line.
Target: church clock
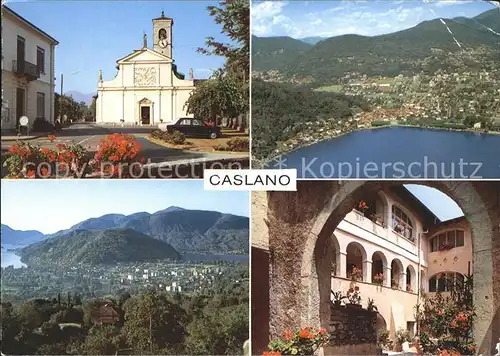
162, 31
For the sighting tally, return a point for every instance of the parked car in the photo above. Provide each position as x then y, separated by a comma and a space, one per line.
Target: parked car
194, 128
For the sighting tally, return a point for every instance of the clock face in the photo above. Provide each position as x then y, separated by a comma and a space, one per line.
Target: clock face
163, 43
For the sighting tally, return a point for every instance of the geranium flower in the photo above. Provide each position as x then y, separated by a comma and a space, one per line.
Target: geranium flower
304, 334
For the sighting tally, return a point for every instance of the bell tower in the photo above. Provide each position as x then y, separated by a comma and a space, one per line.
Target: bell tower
162, 35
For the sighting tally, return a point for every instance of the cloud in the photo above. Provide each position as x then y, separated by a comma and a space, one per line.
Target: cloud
441, 3
335, 18
265, 15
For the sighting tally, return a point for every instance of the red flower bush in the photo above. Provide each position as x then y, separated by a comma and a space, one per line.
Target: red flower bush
446, 322
304, 341
115, 156
378, 278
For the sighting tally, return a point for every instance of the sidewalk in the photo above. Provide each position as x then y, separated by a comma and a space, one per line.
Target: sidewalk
13, 137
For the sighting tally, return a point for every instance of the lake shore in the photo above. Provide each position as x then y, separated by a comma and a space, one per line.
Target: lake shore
284, 148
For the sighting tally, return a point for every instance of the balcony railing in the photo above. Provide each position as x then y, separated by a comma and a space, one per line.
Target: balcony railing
25, 69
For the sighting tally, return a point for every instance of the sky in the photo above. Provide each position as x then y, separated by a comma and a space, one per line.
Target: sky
92, 35
439, 203
300, 19
52, 205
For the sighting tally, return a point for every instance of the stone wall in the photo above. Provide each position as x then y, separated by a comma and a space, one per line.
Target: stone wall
350, 325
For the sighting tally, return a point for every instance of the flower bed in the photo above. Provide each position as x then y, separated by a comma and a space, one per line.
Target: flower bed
304, 341
115, 157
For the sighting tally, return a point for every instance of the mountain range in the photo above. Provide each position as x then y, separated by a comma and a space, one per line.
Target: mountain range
79, 97
185, 230
98, 247
20, 237
398, 51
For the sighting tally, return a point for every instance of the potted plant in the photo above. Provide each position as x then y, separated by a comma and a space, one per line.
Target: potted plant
305, 341
354, 297
402, 336
383, 341
338, 297
378, 278
371, 305
409, 288
399, 229
356, 274
394, 284
362, 206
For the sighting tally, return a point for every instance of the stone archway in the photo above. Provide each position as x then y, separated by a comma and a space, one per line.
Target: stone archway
301, 222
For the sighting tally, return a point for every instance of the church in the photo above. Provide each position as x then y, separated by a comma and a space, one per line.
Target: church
147, 89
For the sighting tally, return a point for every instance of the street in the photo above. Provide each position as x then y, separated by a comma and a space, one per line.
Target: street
89, 135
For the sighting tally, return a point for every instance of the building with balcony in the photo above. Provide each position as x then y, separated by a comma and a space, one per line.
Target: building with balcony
27, 71
385, 241
395, 249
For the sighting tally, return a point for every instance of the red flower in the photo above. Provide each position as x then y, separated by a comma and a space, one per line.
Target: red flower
271, 353
288, 335
304, 334
322, 331
44, 172
51, 138
30, 173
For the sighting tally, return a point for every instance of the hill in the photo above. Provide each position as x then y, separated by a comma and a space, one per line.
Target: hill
420, 48
280, 110
186, 230
490, 19
312, 40
19, 237
275, 52
98, 247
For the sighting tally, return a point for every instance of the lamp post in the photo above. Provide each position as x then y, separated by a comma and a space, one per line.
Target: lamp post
61, 95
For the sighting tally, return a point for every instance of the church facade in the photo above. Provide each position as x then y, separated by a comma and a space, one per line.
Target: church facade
147, 88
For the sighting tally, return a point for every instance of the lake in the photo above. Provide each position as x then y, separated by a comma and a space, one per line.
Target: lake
398, 152
9, 258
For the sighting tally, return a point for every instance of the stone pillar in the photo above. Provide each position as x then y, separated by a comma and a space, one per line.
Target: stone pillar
387, 277
367, 271
300, 282
341, 268
388, 217
402, 281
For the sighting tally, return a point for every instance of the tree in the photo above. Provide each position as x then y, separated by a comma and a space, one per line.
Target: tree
234, 16
233, 78
217, 98
153, 322
221, 332
102, 340
11, 327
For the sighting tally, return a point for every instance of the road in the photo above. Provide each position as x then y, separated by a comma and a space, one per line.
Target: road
89, 136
